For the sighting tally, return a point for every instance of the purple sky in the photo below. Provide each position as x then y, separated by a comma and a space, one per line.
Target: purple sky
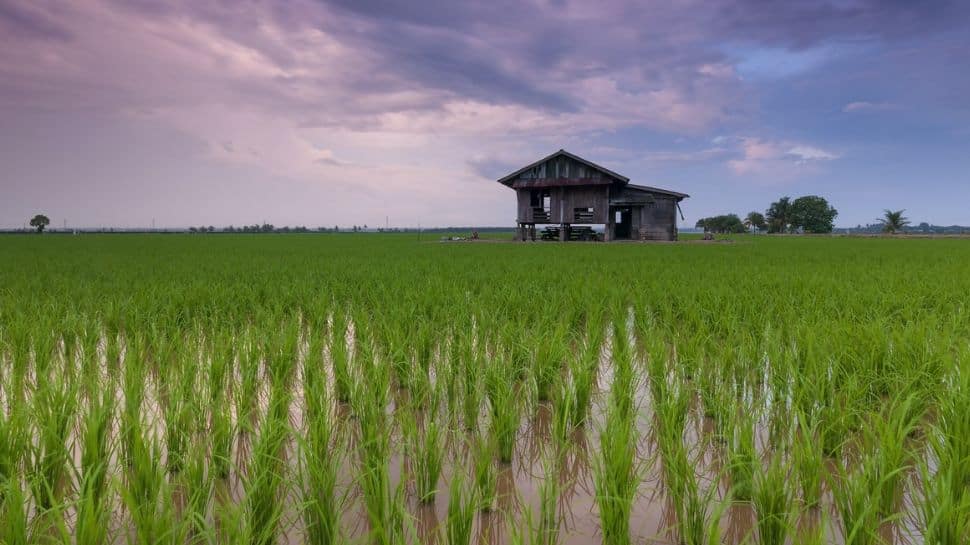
345, 112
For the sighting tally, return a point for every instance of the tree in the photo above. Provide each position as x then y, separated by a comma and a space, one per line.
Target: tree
779, 216
812, 214
729, 223
755, 220
893, 221
39, 222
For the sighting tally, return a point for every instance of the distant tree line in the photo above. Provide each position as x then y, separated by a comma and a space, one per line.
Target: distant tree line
808, 214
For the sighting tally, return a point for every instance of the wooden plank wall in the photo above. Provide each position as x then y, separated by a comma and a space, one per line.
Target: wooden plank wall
659, 219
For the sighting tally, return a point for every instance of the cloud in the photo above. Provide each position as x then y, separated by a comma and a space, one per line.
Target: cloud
373, 95
776, 158
804, 154
864, 106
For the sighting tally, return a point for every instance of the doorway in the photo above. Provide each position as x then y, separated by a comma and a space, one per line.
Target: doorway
622, 221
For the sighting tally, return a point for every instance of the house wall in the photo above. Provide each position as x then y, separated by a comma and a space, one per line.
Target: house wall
595, 197
658, 220
563, 202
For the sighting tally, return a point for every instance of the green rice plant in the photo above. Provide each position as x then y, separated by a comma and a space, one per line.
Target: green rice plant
133, 391
808, 461
93, 503
462, 505
383, 504
942, 490
14, 439
563, 414
773, 502
146, 494
178, 409
548, 359
15, 527
54, 406
742, 455
547, 530
892, 459
321, 455
471, 398
942, 505
483, 454
853, 491
198, 485
582, 371
427, 456
670, 414
221, 434
616, 475
247, 399
263, 484
506, 409
340, 358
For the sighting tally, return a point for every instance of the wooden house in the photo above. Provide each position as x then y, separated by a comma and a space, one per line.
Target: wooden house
564, 191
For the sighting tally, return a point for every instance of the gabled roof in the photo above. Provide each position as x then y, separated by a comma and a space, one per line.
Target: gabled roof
659, 191
507, 180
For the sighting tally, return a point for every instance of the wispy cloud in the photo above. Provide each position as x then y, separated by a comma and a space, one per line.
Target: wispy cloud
776, 158
865, 106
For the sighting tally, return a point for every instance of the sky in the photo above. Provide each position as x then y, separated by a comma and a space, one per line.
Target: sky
352, 112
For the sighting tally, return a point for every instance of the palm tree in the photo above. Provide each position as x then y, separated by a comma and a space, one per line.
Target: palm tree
755, 220
893, 221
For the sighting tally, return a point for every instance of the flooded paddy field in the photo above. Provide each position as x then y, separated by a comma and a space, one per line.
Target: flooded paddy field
372, 389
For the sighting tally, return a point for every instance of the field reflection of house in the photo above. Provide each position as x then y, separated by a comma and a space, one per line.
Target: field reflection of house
566, 192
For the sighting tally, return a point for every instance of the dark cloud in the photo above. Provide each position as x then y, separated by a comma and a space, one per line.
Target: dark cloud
26, 21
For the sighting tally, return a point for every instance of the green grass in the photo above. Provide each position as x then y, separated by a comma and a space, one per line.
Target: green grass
241, 388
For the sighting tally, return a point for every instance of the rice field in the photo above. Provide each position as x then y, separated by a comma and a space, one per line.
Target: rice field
375, 389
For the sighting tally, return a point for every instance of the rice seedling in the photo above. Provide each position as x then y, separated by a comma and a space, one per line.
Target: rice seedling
93, 501
340, 358
15, 528
773, 503
742, 456
808, 461
892, 458
461, 511
264, 484
616, 472
53, 406
506, 407
485, 472
426, 446
853, 491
